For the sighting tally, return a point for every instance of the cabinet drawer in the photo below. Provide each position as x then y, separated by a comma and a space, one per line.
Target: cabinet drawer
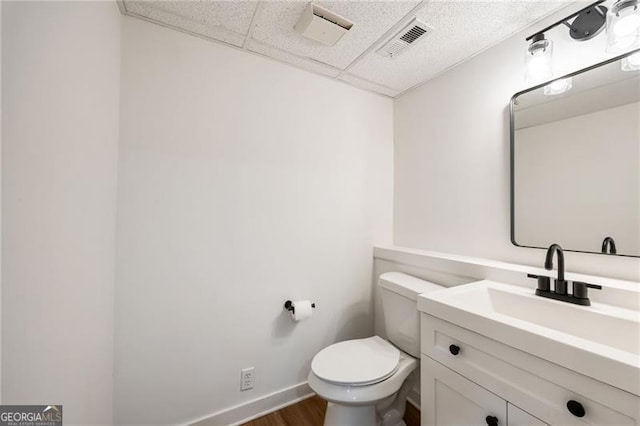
537, 386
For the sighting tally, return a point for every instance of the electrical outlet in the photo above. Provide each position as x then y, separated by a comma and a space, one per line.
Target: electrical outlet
247, 378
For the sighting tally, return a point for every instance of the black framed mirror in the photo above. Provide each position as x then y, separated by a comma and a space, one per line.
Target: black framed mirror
575, 160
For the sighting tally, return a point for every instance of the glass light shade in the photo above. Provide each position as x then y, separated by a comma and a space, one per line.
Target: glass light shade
538, 61
631, 62
559, 86
623, 26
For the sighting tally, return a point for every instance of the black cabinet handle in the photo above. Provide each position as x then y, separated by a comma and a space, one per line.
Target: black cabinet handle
576, 408
492, 421
454, 349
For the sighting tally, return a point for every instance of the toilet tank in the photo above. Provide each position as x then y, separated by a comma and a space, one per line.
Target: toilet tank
400, 306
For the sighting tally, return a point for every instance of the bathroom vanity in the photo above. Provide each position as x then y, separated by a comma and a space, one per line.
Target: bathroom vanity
509, 354
497, 354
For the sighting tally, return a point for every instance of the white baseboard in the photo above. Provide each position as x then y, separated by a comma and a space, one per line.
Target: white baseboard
255, 408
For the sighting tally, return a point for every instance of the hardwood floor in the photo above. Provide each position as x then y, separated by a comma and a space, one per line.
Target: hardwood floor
310, 412
412, 416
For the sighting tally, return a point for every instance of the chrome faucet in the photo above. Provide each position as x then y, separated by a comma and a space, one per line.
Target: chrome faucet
579, 294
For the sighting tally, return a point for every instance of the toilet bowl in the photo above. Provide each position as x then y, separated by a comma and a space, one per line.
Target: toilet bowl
361, 380
366, 381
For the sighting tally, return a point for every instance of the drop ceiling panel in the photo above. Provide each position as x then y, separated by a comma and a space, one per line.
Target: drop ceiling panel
460, 29
275, 28
227, 21
300, 62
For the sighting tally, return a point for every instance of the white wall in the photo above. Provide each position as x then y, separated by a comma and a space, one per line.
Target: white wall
451, 158
242, 182
60, 75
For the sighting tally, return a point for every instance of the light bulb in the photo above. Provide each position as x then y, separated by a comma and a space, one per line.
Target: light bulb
626, 26
538, 60
559, 86
623, 26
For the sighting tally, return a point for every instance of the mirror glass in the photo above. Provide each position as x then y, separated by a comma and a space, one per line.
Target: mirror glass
575, 161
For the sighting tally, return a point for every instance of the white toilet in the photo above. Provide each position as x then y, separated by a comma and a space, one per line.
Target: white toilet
366, 381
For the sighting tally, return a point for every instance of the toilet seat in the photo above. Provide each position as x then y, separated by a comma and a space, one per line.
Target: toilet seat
359, 362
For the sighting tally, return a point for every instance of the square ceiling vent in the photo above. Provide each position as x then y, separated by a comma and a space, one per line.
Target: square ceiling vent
405, 38
320, 24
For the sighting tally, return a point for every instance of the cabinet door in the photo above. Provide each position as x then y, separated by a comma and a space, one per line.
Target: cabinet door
518, 417
450, 399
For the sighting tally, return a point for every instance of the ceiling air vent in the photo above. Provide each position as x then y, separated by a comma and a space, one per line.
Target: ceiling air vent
416, 30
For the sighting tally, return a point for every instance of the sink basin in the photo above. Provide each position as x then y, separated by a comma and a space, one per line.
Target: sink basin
594, 325
601, 341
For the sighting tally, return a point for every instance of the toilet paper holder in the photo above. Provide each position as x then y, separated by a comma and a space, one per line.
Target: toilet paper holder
288, 305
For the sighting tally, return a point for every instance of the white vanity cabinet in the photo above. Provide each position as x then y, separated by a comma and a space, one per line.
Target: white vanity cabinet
469, 379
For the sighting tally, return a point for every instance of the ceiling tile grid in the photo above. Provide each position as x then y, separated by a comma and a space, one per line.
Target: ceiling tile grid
461, 28
226, 21
368, 85
275, 27
231, 15
281, 55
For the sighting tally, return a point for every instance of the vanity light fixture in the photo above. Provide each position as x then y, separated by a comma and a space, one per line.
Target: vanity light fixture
631, 62
538, 59
623, 26
558, 86
587, 23
583, 25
